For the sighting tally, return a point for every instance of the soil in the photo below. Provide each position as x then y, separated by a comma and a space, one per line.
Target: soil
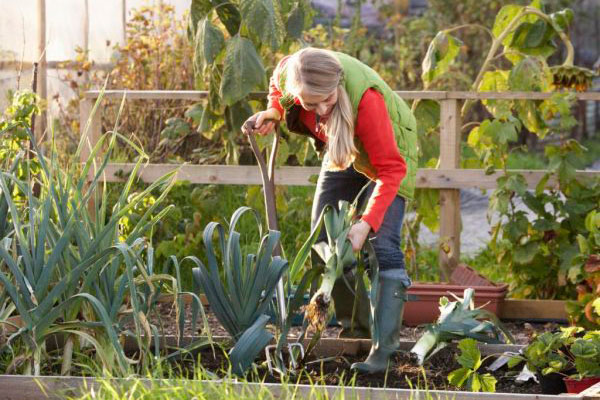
521, 331
404, 374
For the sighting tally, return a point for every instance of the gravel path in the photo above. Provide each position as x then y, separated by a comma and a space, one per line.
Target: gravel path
475, 227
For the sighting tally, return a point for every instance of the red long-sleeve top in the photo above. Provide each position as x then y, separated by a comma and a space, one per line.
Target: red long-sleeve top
374, 129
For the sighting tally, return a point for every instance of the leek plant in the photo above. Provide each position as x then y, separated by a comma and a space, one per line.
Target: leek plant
458, 320
240, 287
65, 265
337, 254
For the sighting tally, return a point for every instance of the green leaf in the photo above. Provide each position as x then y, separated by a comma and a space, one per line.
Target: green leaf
263, 19
483, 383
236, 115
195, 113
526, 253
530, 115
442, 51
209, 42
529, 75
229, 15
496, 81
198, 10
470, 356
514, 361
459, 376
251, 342
428, 115
503, 19
243, 70
295, 22
501, 132
583, 348
175, 128
530, 35
563, 18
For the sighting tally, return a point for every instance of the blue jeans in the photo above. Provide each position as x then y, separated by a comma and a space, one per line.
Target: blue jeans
333, 186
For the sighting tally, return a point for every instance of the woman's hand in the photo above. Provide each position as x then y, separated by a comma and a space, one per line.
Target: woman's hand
262, 122
358, 234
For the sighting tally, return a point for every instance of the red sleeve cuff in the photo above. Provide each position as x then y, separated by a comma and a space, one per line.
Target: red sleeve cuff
374, 221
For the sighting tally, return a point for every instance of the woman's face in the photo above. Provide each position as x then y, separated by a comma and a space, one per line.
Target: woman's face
320, 104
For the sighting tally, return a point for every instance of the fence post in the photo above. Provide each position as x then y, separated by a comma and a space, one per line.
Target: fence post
450, 223
90, 138
93, 134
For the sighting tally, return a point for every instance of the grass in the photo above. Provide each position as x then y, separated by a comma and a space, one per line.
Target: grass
164, 383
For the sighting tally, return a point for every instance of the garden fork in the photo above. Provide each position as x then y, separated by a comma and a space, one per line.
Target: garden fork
268, 179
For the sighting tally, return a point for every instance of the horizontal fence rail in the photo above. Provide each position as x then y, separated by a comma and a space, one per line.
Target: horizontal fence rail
406, 94
449, 178
301, 176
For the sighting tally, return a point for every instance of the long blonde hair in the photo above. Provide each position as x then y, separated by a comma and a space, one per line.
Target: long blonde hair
318, 71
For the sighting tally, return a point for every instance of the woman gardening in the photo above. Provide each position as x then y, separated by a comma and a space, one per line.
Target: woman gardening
367, 134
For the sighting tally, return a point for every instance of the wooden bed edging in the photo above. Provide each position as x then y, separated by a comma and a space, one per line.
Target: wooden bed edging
511, 309
54, 387
331, 347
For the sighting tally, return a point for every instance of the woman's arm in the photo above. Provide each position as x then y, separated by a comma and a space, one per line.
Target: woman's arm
274, 111
375, 131
274, 90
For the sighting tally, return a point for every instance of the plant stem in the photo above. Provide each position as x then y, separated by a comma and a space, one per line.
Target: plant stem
491, 53
65, 368
498, 41
479, 26
570, 50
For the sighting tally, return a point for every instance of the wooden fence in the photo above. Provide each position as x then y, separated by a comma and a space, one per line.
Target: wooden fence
449, 178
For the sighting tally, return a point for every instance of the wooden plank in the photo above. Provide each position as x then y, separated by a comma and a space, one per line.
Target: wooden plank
517, 95
25, 387
422, 94
591, 393
213, 174
533, 309
408, 95
57, 64
477, 178
299, 176
450, 124
195, 95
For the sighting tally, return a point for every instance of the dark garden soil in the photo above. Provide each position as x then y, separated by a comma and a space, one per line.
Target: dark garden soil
521, 331
404, 374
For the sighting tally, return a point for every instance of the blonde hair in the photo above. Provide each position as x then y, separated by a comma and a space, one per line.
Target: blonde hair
318, 71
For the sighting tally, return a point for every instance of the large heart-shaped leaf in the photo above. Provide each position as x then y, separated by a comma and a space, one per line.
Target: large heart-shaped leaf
243, 70
229, 15
208, 43
263, 19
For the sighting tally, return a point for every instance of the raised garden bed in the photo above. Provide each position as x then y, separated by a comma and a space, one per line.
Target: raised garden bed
28, 387
332, 358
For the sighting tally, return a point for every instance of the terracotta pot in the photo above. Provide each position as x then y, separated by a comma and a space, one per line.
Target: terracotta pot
424, 300
579, 385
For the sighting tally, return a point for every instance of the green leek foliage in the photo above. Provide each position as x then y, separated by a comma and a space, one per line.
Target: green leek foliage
240, 287
459, 319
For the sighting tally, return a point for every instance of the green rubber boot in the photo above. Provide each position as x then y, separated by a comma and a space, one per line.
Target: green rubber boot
388, 313
343, 301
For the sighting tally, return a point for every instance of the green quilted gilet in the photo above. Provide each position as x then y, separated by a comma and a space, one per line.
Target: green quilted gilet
358, 78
